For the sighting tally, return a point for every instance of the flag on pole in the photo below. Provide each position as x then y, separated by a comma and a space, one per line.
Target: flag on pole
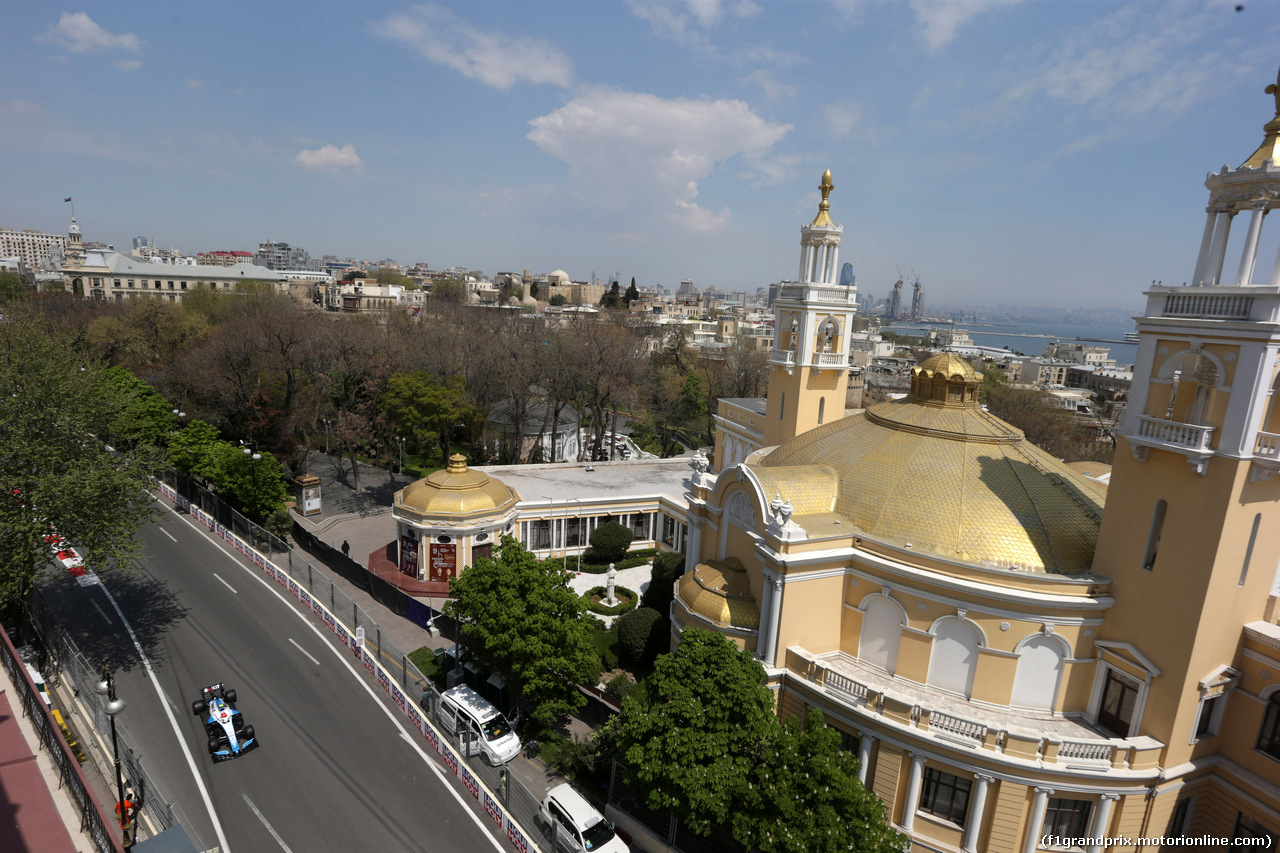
67, 199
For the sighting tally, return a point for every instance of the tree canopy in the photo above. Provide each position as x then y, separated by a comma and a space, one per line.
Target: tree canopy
519, 617
55, 473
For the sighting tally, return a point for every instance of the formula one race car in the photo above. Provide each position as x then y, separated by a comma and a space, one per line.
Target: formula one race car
229, 737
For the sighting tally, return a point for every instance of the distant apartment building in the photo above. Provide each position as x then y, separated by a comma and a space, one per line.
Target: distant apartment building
282, 256
1043, 372
1079, 353
33, 249
117, 276
224, 259
686, 287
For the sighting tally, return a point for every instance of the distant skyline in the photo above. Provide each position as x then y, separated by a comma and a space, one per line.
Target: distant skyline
1031, 153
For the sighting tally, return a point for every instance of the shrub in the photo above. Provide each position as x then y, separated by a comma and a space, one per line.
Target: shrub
658, 596
643, 635
600, 607
610, 541
606, 642
619, 686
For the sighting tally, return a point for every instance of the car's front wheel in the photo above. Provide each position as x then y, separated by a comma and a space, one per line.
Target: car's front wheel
248, 733
213, 746
484, 756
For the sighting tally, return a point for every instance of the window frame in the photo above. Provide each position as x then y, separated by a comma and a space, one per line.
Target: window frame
1079, 815
1270, 719
936, 781
1125, 680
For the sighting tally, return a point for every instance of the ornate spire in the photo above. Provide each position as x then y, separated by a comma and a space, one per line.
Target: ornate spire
823, 219
1270, 147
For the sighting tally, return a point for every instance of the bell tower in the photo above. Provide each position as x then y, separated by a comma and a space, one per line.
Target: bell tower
809, 364
1191, 534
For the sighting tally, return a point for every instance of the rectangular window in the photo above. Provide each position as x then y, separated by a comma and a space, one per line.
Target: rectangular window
1247, 827
1119, 696
1207, 721
945, 796
157, 284
575, 532
1269, 736
668, 531
849, 742
171, 285
540, 533
1067, 817
1181, 820
640, 531
131, 282
117, 283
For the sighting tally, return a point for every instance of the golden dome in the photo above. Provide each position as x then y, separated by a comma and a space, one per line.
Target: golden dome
456, 491
720, 591
944, 478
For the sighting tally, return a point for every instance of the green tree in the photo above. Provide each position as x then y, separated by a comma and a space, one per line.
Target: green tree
191, 445
144, 416
643, 635
519, 616
558, 300
610, 541
12, 287
661, 590
54, 473
803, 796
426, 408
633, 294
257, 487
691, 730
449, 290
693, 401
612, 297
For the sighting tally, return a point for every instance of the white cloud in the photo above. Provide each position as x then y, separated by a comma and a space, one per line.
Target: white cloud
78, 33
629, 148
681, 20
938, 20
128, 64
769, 84
330, 158
493, 58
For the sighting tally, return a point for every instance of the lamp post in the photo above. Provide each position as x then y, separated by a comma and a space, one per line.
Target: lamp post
253, 467
114, 705
400, 442
326, 436
582, 525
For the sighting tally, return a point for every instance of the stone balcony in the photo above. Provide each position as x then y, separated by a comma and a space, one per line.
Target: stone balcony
1266, 456
1011, 735
833, 293
1189, 440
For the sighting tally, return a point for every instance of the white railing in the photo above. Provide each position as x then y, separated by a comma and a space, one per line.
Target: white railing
838, 294
957, 726
846, 685
829, 359
1218, 306
1267, 445
782, 356
1185, 436
1079, 750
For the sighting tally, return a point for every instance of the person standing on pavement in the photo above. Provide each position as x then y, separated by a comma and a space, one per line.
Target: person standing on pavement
346, 549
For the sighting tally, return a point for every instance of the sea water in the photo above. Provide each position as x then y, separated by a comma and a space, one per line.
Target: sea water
1031, 338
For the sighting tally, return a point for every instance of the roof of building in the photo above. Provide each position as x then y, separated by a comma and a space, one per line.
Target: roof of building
456, 491
598, 482
935, 474
720, 591
120, 263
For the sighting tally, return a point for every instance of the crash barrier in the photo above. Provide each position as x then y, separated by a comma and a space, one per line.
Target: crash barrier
93, 822
70, 667
506, 802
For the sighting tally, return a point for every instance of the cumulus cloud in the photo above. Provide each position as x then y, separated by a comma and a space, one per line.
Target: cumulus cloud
78, 33
938, 20
330, 158
128, 64
683, 21
493, 58
635, 148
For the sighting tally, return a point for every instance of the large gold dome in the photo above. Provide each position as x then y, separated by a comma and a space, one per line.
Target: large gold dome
936, 474
456, 491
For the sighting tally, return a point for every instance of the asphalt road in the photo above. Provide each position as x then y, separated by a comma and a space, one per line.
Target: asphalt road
337, 770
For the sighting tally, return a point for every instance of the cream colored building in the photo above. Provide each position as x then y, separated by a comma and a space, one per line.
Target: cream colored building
1022, 659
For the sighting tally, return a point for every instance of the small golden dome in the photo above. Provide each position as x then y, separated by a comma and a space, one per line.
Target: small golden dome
720, 591
823, 219
945, 379
456, 491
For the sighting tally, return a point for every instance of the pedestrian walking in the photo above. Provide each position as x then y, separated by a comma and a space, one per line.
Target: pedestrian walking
346, 549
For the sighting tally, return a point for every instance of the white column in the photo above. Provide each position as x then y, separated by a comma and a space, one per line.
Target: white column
864, 755
695, 543
977, 804
1213, 272
1275, 270
1101, 820
834, 278
913, 792
1202, 259
775, 615
804, 260
762, 633
1032, 841
1250, 255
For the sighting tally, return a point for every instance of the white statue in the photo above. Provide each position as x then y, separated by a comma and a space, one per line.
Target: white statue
610, 580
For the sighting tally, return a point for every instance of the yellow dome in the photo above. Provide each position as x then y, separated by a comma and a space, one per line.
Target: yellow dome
936, 473
456, 491
720, 591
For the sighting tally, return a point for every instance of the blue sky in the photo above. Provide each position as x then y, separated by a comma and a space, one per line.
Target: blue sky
1034, 153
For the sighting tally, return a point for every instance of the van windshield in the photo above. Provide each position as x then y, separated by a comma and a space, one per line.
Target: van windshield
496, 728
597, 835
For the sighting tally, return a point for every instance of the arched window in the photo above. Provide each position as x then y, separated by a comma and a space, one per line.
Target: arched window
881, 633
1035, 684
795, 334
954, 659
827, 335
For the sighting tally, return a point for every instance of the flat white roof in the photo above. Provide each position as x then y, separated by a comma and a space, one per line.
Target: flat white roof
609, 482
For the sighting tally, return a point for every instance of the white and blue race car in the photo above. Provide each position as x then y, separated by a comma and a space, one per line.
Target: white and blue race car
229, 737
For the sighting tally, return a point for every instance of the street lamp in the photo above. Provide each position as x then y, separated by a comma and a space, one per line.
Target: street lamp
582, 525
400, 442
253, 467
326, 436
114, 705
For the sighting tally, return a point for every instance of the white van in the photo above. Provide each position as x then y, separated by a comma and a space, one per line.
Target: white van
481, 727
572, 820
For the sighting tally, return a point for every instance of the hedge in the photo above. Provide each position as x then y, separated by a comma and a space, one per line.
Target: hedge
604, 610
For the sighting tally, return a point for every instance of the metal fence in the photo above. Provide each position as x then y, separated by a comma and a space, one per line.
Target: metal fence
72, 671
522, 804
92, 820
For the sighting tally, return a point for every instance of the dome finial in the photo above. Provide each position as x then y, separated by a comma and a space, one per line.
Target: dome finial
823, 218
1274, 89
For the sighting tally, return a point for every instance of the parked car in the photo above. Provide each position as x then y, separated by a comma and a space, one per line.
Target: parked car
571, 819
482, 727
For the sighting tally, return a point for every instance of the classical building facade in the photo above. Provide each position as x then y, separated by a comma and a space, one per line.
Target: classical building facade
1022, 659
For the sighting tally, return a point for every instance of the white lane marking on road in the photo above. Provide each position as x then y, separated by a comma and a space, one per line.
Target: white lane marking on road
224, 583
271, 829
166, 533
304, 651
182, 742
417, 747
102, 612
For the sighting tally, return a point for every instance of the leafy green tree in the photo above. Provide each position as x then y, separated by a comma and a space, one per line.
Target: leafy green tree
558, 300
449, 290
612, 297
54, 473
519, 616
661, 590
803, 796
191, 445
633, 293
426, 408
257, 487
693, 402
643, 635
144, 416
12, 287
691, 730
610, 541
